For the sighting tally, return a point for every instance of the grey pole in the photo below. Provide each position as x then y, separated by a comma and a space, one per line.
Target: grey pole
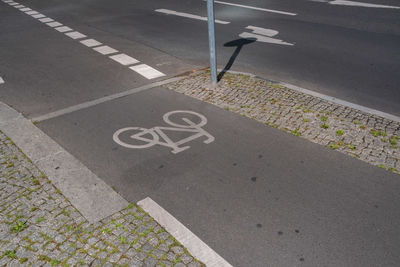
211, 41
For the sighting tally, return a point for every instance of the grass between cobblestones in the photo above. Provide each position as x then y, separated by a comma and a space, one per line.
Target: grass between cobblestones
367, 137
39, 226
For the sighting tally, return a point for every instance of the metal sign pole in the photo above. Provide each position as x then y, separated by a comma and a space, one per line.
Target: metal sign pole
211, 41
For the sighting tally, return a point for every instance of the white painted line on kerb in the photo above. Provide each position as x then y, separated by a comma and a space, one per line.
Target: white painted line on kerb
342, 102
63, 29
54, 24
194, 245
90, 42
76, 35
105, 50
46, 20
124, 59
257, 8
187, 15
147, 71
360, 4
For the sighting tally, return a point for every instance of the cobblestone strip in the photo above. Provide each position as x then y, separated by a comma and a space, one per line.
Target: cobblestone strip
368, 137
39, 226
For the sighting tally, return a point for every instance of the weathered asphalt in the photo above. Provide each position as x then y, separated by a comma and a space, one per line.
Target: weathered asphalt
256, 195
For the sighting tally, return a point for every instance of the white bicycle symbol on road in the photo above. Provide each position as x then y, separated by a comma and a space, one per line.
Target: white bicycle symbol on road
154, 134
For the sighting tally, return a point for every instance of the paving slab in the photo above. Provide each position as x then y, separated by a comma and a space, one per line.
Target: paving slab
252, 193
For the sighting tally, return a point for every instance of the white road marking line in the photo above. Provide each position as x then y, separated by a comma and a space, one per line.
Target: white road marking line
147, 71
124, 59
102, 100
1, 80
76, 35
194, 245
360, 4
45, 20
262, 38
105, 50
187, 15
13, 4
8, 1
342, 102
19, 6
257, 8
25, 9
38, 16
63, 29
262, 31
90, 42
33, 12
54, 24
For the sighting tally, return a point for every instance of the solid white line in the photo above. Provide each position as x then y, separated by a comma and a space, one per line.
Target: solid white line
63, 29
194, 245
257, 8
102, 100
1, 80
342, 102
360, 4
124, 59
105, 50
147, 71
76, 35
90, 42
187, 15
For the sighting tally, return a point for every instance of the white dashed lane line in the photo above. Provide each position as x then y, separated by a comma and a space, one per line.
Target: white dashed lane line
54, 24
257, 8
45, 20
90, 42
187, 15
76, 35
105, 50
63, 29
1, 80
38, 16
123, 59
147, 71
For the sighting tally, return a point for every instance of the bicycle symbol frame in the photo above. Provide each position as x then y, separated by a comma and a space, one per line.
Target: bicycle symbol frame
158, 131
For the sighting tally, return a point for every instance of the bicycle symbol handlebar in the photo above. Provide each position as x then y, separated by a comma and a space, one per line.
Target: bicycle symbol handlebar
154, 134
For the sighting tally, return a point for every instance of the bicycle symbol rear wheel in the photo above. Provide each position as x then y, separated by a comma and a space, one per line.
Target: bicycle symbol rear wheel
137, 136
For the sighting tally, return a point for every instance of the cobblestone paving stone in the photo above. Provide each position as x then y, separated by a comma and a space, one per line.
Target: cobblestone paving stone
367, 137
39, 226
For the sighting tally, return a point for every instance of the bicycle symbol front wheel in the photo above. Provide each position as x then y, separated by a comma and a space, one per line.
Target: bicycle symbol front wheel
190, 124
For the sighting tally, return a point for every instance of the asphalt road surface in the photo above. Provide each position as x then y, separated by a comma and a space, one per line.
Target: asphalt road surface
349, 52
256, 195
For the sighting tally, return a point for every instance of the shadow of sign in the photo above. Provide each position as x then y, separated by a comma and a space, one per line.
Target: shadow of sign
239, 43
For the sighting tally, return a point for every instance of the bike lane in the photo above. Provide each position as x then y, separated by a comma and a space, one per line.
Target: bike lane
256, 195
